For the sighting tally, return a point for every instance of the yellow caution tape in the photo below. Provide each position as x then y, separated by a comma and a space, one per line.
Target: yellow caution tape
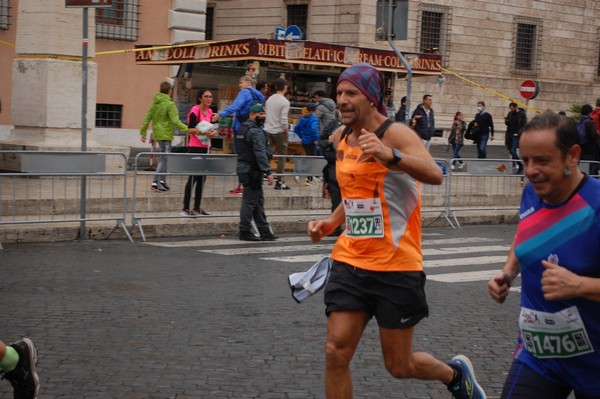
7, 43
492, 91
50, 56
135, 50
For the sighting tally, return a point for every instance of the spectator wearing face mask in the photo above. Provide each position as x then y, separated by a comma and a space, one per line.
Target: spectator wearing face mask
485, 127
252, 166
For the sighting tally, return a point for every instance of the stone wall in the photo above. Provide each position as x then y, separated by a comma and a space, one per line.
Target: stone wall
479, 45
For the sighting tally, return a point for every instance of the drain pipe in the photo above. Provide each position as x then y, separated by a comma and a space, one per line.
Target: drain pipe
390, 36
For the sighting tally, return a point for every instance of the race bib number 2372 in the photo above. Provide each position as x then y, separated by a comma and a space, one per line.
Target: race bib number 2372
364, 218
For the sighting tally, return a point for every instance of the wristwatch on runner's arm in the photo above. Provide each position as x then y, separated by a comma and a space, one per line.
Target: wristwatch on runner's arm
397, 157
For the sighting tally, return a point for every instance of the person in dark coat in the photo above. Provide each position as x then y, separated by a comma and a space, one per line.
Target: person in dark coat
515, 121
329, 175
401, 114
485, 129
252, 165
423, 120
589, 141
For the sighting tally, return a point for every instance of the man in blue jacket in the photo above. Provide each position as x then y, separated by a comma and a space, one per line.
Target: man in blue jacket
240, 108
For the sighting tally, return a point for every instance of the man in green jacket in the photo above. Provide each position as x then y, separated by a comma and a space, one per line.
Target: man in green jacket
165, 118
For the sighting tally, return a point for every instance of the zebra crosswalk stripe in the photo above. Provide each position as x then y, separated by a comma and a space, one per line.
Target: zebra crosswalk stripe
298, 258
464, 250
222, 242
476, 260
450, 241
482, 275
438, 252
268, 249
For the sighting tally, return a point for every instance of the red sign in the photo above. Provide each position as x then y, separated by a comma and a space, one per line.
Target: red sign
295, 52
88, 3
529, 89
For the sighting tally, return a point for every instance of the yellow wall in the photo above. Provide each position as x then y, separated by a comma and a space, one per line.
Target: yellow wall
120, 80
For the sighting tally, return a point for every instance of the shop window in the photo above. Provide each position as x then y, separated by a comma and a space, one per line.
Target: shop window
109, 115
297, 14
210, 23
527, 33
4, 14
434, 23
119, 22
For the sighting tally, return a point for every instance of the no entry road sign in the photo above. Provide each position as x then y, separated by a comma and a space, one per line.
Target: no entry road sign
529, 89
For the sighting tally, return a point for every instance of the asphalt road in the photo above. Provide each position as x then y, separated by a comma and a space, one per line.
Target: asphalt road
215, 319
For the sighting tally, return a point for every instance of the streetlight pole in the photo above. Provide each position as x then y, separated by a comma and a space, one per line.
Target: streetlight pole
84, 90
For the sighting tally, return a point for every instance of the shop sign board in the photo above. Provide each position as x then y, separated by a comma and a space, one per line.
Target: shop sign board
299, 52
89, 3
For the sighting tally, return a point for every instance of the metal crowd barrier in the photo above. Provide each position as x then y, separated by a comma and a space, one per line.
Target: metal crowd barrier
591, 168
491, 184
220, 173
63, 186
307, 195
434, 198
303, 174
485, 185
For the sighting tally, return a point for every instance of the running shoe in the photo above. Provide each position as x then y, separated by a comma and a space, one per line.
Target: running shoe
162, 185
186, 212
199, 212
281, 186
156, 187
466, 387
237, 190
24, 379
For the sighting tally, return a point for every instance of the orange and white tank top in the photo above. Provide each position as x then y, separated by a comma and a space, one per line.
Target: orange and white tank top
383, 215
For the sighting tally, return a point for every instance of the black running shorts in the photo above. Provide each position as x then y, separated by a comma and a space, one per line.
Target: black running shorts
396, 299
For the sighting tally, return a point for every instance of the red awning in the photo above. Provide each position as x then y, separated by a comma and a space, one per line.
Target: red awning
295, 52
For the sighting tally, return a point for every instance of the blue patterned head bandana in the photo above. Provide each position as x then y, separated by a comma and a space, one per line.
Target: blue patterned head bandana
369, 81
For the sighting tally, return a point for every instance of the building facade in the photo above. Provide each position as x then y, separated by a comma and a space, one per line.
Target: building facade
488, 48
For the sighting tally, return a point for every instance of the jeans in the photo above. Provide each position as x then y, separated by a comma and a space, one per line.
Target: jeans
426, 143
165, 147
514, 145
310, 149
482, 145
455, 149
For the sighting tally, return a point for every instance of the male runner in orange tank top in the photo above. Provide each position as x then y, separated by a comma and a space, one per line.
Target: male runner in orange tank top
377, 262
